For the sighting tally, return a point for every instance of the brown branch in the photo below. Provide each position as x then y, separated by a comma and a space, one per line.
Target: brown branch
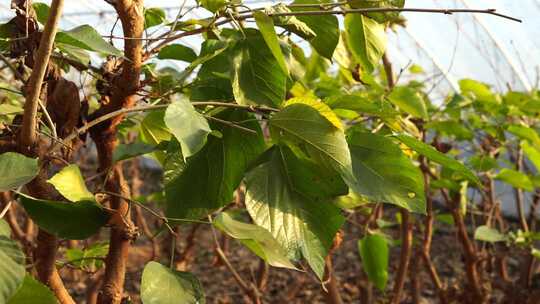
123, 95
136, 184
469, 249
332, 295
405, 256
428, 236
262, 275
47, 244
518, 193
390, 77
27, 138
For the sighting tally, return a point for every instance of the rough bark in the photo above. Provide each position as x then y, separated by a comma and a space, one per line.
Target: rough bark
121, 96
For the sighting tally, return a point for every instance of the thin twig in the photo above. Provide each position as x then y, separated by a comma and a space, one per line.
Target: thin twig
145, 108
231, 124
5, 210
166, 40
406, 242
28, 132
249, 289
13, 69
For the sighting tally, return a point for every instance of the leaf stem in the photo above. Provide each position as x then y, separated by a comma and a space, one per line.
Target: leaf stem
145, 108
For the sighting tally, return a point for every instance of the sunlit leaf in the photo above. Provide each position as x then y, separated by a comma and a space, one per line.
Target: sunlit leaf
532, 153
70, 183
257, 78
325, 27
266, 27
291, 198
188, 126
323, 109
366, 39
308, 132
259, 240
490, 235
515, 178
409, 101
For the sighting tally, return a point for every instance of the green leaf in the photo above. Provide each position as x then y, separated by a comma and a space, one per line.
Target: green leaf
475, 88
438, 157
291, 198
308, 132
515, 178
32, 291
445, 218
451, 128
4, 228
361, 104
213, 81
525, 133
161, 285
257, 78
86, 37
535, 253
213, 5
9, 109
257, 239
177, 52
384, 173
173, 162
90, 258
74, 53
326, 28
410, 101
483, 163
379, 17
266, 28
16, 170
210, 177
70, 183
42, 12
188, 126
490, 235
532, 153
11, 268
321, 107
127, 151
366, 39
290, 23
75, 221
374, 252
153, 16
153, 129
